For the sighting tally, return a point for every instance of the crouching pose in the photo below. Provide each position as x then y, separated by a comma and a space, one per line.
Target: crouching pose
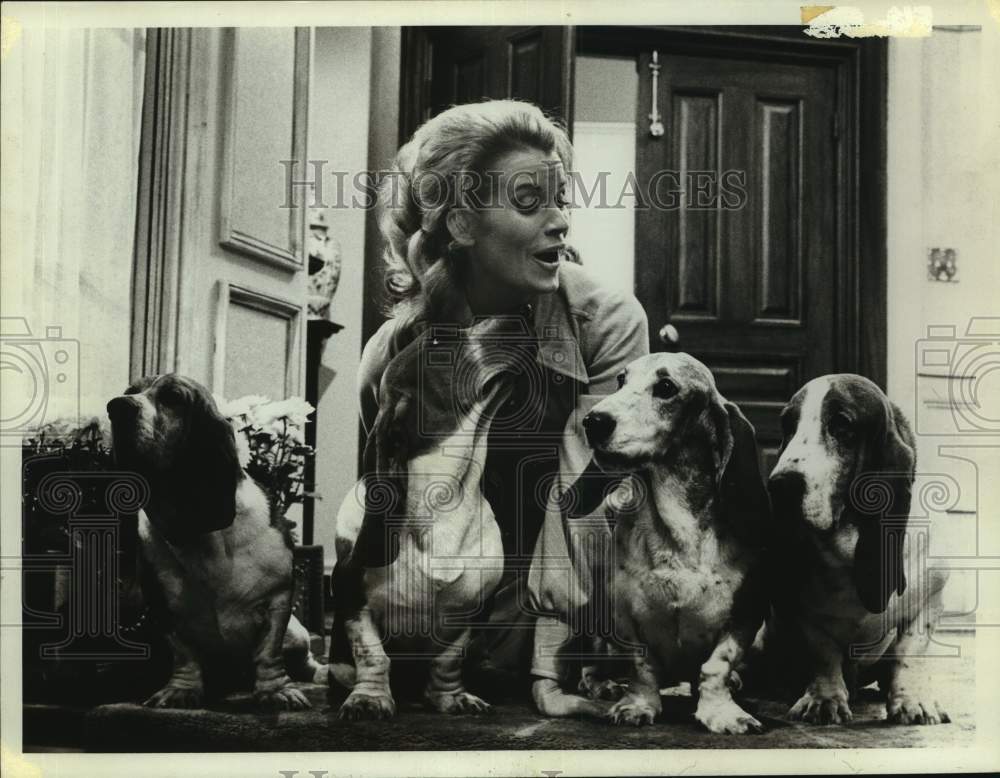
216, 559
841, 494
467, 392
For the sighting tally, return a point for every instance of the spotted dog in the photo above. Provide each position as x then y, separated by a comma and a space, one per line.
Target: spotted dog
690, 520
420, 549
841, 493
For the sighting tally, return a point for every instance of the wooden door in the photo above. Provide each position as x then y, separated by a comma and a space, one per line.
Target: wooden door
444, 66
220, 285
737, 247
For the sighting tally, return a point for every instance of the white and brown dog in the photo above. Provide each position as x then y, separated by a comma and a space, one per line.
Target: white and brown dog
841, 495
420, 552
217, 561
690, 526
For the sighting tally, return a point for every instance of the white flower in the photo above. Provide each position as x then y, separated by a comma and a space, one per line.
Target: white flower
242, 406
294, 409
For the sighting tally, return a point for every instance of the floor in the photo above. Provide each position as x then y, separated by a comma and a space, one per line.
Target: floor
234, 726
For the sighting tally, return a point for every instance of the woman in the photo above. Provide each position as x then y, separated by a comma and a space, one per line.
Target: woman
475, 223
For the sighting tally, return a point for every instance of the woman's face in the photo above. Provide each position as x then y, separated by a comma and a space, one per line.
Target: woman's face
518, 231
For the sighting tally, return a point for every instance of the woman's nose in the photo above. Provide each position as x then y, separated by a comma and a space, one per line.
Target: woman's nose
558, 223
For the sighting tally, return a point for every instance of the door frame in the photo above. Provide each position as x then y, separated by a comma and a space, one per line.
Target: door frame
862, 84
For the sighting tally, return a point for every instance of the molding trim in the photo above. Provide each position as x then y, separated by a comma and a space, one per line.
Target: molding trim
159, 224
290, 256
290, 312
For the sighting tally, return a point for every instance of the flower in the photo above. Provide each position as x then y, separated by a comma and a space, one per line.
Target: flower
295, 410
270, 438
240, 407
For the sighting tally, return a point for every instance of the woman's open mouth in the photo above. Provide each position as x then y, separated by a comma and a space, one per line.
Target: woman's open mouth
549, 256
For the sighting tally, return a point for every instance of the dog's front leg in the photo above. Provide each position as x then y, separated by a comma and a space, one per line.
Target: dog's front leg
371, 697
716, 708
910, 699
549, 665
185, 688
445, 690
272, 686
641, 703
825, 699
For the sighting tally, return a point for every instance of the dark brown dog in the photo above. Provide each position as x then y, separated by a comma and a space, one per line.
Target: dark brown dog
217, 559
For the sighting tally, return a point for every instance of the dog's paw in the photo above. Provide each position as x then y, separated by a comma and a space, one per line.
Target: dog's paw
361, 706
285, 698
175, 697
910, 710
633, 710
821, 708
726, 718
601, 690
457, 702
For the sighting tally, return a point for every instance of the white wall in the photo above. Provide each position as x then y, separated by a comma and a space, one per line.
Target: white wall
606, 90
944, 191
353, 125
338, 133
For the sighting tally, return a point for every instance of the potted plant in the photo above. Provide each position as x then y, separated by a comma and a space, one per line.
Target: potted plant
270, 441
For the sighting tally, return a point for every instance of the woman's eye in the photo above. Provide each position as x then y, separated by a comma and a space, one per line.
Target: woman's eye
527, 201
664, 389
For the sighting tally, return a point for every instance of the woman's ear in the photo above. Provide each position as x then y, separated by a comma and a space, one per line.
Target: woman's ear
460, 223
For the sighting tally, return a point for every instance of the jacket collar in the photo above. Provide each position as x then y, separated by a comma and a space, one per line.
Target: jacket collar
549, 319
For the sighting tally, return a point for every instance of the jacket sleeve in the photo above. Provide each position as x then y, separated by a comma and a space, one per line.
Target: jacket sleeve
375, 357
568, 555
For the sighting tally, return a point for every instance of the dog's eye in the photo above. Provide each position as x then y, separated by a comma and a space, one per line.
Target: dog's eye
621, 380
841, 425
169, 396
664, 389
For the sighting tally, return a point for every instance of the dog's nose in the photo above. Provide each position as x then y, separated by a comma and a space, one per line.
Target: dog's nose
787, 490
598, 427
122, 409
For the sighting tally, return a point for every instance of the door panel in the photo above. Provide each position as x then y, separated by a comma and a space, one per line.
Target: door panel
243, 284
264, 108
749, 288
528, 63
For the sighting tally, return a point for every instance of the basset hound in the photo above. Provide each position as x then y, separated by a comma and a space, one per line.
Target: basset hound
420, 551
217, 560
841, 495
690, 517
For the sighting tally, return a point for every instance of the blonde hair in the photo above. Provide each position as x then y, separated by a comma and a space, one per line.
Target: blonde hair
422, 262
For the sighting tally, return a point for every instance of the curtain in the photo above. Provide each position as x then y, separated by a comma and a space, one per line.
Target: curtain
72, 106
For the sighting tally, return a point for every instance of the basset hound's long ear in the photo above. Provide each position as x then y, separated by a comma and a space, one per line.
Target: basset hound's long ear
385, 477
206, 471
888, 466
745, 502
588, 492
